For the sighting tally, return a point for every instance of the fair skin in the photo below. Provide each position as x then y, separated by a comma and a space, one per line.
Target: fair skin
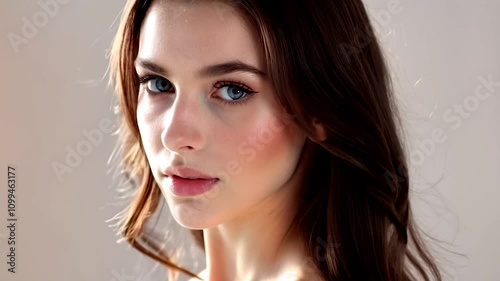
254, 149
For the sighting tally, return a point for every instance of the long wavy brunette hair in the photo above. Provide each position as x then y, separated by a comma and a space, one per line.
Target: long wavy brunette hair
326, 65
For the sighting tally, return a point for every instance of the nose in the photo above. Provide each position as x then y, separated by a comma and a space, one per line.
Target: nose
182, 126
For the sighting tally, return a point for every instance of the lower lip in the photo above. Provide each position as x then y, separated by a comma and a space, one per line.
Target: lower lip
190, 187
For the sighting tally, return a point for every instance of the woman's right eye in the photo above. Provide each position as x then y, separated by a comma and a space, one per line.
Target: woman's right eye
155, 84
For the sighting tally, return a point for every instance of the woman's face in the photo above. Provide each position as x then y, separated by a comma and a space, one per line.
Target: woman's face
231, 131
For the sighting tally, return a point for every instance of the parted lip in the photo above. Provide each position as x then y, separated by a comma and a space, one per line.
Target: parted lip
186, 172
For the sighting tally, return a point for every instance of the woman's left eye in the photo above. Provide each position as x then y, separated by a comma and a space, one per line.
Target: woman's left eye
233, 92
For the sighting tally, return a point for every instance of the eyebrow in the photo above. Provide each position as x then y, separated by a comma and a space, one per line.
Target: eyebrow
207, 71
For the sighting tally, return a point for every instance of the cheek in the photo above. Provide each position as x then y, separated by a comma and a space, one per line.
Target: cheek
265, 149
281, 144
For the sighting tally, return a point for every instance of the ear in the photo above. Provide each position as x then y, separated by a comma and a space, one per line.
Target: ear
319, 130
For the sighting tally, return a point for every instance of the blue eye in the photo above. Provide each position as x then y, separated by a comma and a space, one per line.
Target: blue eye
235, 93
156, 84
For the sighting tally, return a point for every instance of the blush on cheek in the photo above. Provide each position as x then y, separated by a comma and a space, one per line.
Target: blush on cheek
268, 158
266, 141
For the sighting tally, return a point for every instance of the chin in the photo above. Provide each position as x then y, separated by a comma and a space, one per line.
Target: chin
193, 214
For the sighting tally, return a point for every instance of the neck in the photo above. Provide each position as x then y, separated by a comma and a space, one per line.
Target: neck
256, 246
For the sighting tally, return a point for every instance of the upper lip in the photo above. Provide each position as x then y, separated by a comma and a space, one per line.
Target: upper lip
186, 172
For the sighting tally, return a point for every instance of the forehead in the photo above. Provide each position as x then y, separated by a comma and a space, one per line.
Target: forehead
197, 33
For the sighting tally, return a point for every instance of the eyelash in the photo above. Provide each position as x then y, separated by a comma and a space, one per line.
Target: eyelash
218, 85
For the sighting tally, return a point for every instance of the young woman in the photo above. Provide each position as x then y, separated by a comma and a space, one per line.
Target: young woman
269, 129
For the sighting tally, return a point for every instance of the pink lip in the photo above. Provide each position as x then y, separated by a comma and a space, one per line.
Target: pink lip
184, 181
190, 187
185, 172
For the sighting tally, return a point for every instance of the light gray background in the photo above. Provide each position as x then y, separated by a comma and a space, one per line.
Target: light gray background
54, 90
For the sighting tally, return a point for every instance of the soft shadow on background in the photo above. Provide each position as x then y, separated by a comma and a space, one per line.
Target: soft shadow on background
57, 123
